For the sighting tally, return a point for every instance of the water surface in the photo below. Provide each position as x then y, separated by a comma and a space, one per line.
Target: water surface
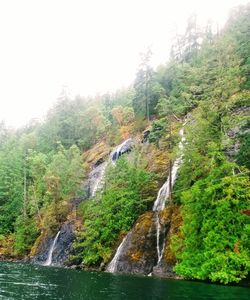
25, 281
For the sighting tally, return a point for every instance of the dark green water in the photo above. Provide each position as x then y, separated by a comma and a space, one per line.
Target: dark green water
24, 281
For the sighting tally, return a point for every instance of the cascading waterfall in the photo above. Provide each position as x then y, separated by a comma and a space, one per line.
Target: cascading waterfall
98, 173
159, 205
122, 148
161, 199
112, 267
48, 262
99, 179
93, 184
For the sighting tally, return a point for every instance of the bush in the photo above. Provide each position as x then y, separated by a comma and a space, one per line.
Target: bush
215, 232
113, 211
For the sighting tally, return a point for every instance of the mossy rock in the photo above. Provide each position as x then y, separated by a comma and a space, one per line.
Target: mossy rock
98, 152
157, 160
7, 246
139, 251
176, 222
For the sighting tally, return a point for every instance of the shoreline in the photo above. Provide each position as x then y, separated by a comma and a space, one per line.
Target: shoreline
243, 283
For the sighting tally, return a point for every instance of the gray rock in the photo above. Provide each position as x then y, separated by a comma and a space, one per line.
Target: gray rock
95, 179
62, 248
138, 254
145, 136
164, 270
124, 147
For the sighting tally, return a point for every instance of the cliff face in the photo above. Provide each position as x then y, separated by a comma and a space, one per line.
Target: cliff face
138, 253
140, 249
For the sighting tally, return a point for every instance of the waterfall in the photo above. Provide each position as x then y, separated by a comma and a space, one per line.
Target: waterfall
93, 184
162, 197
97, 174
159, 205
48, 262
121, 149
112, 267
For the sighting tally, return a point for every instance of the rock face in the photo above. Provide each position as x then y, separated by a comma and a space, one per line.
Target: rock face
96, 155
63, 245
145, 136
124, 147
42, 250
96, 176
60, 255
139, 253
172, 219
143, 250
95, 179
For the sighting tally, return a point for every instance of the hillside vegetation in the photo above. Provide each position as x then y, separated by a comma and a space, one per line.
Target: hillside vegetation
206, 83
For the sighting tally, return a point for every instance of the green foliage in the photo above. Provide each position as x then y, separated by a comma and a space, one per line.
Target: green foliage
64, 174
238, 26
215, 229
25, 234
213, 242
243, 155
146, 89
123, 115
157, 132
41, 166
29, 182
11, 185
113, 211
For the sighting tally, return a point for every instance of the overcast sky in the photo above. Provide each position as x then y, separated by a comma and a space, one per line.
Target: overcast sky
90, 45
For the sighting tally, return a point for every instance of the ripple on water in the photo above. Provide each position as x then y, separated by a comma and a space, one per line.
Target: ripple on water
29, 282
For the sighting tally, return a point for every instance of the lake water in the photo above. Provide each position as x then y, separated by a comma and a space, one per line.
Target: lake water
25, 281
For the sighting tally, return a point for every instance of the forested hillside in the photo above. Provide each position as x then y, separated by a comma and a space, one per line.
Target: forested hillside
205, 86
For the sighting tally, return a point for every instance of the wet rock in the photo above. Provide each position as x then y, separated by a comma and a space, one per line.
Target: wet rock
64, 244
139, 253
145, 136
99, 162
62, 248
172, 218
124, 147
164, 270
42, 250
95, 179
96, 154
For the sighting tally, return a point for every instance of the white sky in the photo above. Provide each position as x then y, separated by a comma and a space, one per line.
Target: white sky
90, 45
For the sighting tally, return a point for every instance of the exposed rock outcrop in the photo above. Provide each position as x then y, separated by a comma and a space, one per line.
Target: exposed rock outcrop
64, 241
62, 248
139, 250
172, 218
124, 147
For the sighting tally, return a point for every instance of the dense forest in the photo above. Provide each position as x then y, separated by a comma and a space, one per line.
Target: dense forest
204, 85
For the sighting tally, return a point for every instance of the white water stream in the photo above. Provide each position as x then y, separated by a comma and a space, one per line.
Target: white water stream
98, 174
163, 196
159, 205
98, 184
48, 262
97, 178
112, 267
